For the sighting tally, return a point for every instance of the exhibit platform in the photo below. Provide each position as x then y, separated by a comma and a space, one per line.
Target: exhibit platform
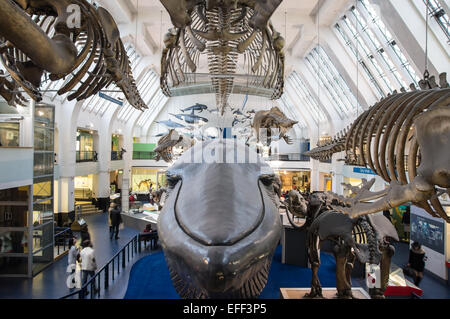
141, 219
328, 293
399, 286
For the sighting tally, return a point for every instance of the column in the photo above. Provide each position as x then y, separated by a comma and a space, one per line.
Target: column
314, 175
101, 189
67, 195
338, 176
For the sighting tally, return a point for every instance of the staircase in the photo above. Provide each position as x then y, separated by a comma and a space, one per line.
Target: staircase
87, 208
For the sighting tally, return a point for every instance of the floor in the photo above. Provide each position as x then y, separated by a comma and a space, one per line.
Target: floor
432, 287
51, 283
150, 279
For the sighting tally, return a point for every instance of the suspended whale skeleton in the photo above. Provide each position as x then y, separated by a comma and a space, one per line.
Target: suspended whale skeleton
413, 125
41, 38
222, 30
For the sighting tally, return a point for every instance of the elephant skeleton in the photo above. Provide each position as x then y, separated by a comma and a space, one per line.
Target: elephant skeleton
41, 39
404, 139
364, 238
223, 30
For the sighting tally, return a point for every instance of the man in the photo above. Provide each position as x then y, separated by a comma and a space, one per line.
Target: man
88, 263
116, 220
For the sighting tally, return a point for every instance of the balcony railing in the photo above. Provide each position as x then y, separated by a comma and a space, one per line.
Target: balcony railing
62, 236
288, 157
98, 285
117, 155
87, 156
137, 155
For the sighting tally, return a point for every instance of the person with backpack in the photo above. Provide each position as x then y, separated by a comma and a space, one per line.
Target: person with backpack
416, 263
116, 219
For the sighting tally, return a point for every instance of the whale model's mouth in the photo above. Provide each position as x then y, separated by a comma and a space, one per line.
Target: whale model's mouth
250, 289
241, 230
219, 227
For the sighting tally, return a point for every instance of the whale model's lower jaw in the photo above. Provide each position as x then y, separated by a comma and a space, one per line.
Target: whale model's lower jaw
251, 288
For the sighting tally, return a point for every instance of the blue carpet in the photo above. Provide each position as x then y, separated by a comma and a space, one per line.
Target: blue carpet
150, 279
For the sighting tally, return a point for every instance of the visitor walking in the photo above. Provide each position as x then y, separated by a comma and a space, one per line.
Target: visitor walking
88, 263
416, 263
111, 207
73, 256
84, 233
387, 214
406, 220
73, 252
115, 219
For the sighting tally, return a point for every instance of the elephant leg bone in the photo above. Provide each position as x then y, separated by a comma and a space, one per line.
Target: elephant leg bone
314, 257
344, 289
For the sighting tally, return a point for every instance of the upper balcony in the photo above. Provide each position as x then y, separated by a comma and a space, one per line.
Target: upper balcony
117, 155
143, 155
86, 156
287, 157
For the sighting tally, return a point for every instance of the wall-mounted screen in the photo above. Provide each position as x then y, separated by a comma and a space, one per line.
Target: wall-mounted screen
428, 232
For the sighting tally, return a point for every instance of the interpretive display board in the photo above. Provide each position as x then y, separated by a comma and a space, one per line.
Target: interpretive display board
430, 233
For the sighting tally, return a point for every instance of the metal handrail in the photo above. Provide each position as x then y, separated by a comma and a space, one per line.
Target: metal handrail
288, 157
116, 155
143, 155
86, 156
64, 242
95, 280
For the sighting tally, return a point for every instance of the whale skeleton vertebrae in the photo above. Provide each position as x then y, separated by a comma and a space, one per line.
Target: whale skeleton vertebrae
221, 32
404, 139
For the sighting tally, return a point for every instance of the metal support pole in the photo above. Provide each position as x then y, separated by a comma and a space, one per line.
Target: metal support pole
107, 277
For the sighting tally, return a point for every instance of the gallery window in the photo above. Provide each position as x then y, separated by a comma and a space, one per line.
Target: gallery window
335, 86
306, 98
381, 58
437, 12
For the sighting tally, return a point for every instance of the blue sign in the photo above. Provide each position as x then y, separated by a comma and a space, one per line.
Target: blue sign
109, 98
363, 170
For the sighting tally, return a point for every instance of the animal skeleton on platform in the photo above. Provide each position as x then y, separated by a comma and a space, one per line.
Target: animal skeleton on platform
366, 238
227, 32
38, 37
409, 125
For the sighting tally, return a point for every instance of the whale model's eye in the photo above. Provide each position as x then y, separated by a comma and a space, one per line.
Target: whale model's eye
172, 179
272, 180
267, 179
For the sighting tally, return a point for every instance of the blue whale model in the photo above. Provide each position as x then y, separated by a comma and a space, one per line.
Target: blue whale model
190, 118
171, 124
196, 107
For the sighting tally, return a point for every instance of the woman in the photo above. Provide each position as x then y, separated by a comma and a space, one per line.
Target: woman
111, 207
73, 257
416, 263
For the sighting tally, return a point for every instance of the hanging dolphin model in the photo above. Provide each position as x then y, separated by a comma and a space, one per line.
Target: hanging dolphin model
196, 107
190, 118
171, 124
238, 112
161, 134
